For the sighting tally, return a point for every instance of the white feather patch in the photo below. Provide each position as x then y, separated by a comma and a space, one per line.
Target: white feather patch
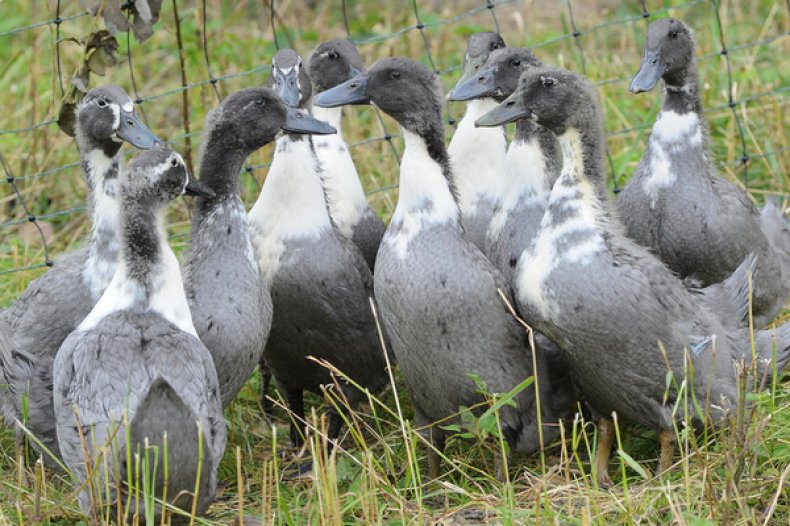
291, 204
478, 157
524, 182
424, 197
344, 193
537, 262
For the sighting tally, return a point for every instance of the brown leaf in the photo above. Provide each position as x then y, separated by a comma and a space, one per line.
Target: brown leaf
67, 119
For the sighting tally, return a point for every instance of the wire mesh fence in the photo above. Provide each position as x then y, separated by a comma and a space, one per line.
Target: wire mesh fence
204, 49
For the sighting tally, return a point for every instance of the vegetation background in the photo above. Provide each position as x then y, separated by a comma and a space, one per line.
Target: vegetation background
736, 476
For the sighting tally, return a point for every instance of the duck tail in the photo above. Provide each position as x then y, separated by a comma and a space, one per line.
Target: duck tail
163, 413
776, 229
15, 368
728, 300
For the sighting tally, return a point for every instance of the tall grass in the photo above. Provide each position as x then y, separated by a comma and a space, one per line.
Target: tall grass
738, 475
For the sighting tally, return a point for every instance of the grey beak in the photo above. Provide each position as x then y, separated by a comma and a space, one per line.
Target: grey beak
508, 111
653, 67
195, 188
479, 85
132, 130
467, 78
354, 91
300, 122
287, 86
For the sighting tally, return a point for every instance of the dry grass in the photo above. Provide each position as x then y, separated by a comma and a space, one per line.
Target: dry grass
374, 478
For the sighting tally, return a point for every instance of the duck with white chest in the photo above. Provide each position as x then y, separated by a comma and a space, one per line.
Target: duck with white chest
319, 280
437, 293
136, 360
334, 62
477, 154
532, 163
622, 319
701, 225
54, 304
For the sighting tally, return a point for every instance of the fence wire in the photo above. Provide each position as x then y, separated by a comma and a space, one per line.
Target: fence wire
571, 30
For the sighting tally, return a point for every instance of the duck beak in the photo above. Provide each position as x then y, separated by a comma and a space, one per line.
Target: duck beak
653, 67
508, 111
300, 122
354, 91
476, 86
195, 188
287, 85
132, 130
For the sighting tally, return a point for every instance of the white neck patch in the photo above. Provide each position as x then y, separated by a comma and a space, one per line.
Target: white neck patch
545, 254
291, 204
344, 194
478, 157
424, 197
525, 182
105, 209
672, 133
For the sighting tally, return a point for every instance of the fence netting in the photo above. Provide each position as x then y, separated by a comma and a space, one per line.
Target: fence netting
202, 50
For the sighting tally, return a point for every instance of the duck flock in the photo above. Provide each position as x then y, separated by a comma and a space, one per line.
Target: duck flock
637, 305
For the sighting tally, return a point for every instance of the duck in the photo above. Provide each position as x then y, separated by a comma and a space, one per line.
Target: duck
608, 302
319, 280
701, 225
231, 306
437, 293
54, 304
136, 358
331, 63
532, 163
477, 154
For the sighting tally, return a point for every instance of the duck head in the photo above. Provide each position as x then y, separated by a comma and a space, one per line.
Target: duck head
478, 49
289, 78
334, 62
669, 51
106, 117
497, 77
158, 176
401, 87
251, 118
553, 97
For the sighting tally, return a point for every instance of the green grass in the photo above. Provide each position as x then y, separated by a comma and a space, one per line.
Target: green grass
374, 478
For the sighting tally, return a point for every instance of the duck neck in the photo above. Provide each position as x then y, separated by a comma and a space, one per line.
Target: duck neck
102, 170
148, 278
292, 202
426, 182
478, 156
220, 166
332, 116
543, 155
681, 91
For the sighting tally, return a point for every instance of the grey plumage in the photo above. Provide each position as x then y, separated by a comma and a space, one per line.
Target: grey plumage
699, 224
320, 284
437, 293
620, 316
137, 355
54, 304
331, 63
231, 306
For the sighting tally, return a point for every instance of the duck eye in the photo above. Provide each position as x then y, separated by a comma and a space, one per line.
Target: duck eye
547, 81
173, 162
515, 62
332, 55
673, 34
395, 75
102, 103
259, 102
